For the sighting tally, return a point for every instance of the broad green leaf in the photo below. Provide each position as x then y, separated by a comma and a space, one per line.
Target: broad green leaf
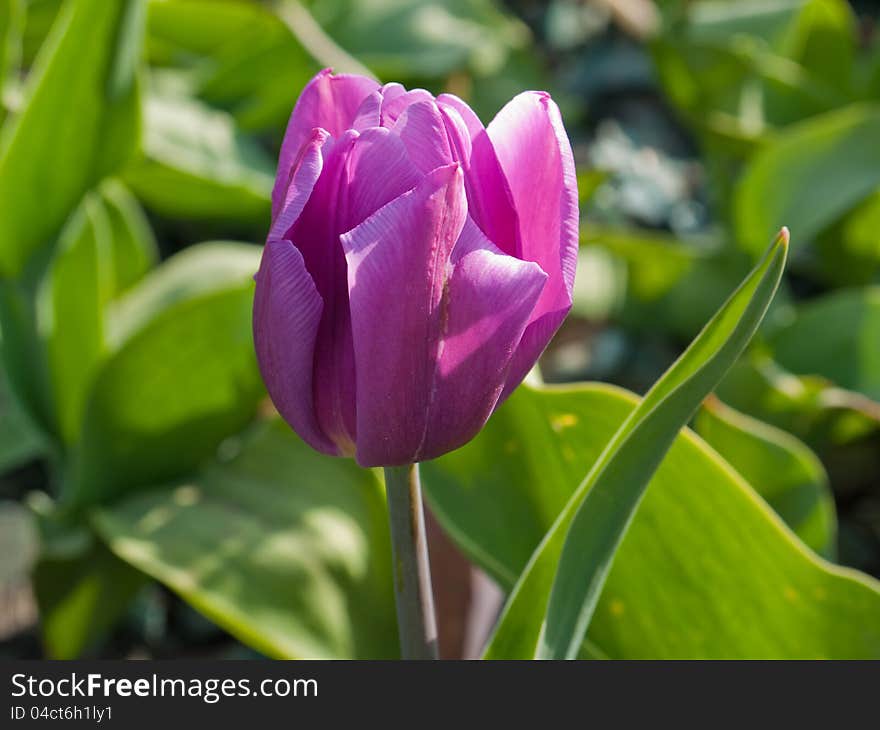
523, 69
242, 56
811, 175
549, 610
81, 598
598, 515
134, 247
667, 285
71, 305
58, 325
418, 39
199, 165
837, 337
20, 440
823, 40
740, 71
11, 26
811, 407
848, 251
198, 271
706, 571
104, 248
718, 20
588, 182
38, 22
182, 375
296, 16
79, 122
23, 353
685, 307
181, 29
286, 549
655, 262
779, 467
735, 85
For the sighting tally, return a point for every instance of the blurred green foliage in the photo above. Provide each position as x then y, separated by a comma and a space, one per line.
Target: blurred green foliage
136, 162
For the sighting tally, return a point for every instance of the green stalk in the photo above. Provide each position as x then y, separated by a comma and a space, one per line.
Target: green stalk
412, 574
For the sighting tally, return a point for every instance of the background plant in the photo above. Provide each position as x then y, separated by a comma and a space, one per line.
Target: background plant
137, 451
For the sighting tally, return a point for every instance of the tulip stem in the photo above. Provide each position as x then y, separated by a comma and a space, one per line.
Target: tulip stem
412, 574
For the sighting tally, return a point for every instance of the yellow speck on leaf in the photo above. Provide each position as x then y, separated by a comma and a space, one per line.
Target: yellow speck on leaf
563, 421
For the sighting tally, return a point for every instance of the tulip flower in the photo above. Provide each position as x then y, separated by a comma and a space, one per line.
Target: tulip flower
416, 267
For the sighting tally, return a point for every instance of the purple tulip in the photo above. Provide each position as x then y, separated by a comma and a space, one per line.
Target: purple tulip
416, 267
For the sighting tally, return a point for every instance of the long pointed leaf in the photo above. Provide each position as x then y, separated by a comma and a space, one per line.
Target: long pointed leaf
79, 121
549, 610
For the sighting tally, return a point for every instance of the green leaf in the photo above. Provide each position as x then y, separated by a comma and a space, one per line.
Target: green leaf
588, 182
59, 324
182, 376
598, 515
38, 22
23, 352
810, 407
541, 622
178, 30
736, 71
779, 467
81, 598
655, 262
823, 40
672, 284
811, 175
20, 440
198, 165
848, 251
79, 122
11, 24
198, 271
286, 549
242, 57
706, 571
718, 20
70, 307
416, 39
134, 247
838, 337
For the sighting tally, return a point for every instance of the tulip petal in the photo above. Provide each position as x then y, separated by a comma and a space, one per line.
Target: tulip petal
490, 201
316, 236
397, 99
536, 157
369, 113
379, 170
287, 310
329, 102
397, 268
304, 174
361, 174
392, 90
421, 129
490, 298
